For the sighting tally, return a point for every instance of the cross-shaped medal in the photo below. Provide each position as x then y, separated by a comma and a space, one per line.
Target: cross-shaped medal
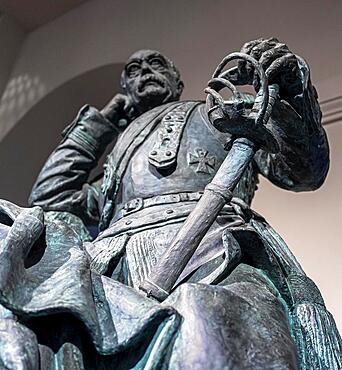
204, 161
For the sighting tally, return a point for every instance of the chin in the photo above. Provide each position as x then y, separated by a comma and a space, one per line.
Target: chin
152, 97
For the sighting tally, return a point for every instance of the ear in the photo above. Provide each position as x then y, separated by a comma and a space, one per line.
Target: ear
180, 87
122, 80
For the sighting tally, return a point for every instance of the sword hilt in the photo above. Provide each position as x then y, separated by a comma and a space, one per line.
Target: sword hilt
231, 116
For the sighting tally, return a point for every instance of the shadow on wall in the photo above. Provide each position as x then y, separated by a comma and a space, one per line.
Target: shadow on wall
19, 94
24, 150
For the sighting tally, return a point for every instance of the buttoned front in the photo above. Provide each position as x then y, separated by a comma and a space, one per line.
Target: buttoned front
201, 151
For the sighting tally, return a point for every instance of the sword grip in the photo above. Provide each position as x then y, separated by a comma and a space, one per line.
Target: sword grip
219, 192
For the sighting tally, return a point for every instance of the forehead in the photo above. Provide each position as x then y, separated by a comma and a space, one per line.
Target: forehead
141, 55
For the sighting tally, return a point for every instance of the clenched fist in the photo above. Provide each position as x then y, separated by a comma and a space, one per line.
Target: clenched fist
279, 63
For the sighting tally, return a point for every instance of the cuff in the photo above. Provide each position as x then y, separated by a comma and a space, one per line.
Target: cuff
91, 131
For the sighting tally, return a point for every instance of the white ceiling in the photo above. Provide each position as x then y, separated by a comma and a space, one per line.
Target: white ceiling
31, 14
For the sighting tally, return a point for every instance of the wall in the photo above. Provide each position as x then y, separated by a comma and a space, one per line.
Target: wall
11, 38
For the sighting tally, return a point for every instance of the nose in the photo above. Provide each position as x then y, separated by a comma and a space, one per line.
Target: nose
145, 68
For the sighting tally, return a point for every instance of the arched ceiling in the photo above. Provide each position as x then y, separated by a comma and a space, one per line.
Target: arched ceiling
34, 13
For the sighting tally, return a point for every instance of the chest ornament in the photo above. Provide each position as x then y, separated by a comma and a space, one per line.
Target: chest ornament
165, 150
202, 161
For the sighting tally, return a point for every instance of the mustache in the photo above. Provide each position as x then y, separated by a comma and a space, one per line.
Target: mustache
150, 78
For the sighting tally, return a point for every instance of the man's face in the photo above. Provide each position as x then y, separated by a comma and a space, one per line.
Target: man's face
149, 80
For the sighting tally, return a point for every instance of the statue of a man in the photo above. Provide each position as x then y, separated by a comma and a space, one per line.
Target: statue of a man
242, 302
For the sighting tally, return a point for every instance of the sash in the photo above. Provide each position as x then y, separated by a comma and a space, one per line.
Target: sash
118, 160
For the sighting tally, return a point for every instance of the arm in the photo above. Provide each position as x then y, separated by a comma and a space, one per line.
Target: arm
62, 183
303, 161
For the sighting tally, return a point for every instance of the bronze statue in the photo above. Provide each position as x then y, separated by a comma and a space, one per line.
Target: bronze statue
160, 263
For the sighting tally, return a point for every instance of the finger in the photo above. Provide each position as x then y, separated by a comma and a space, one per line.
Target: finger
252, 48
127, 104
273, 39
129, 109
277, 66
272, 54
250, 44
246, 48
120, 100
268, 57
256, 52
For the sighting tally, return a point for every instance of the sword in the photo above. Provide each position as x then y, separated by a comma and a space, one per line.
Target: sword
250, 134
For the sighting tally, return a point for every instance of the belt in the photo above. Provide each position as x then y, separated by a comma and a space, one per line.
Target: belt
159, 214
137, 204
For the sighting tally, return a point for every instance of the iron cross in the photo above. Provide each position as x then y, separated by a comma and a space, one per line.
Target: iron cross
204, 161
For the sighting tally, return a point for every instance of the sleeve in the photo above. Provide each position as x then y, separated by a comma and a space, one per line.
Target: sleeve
303, 160
62, 183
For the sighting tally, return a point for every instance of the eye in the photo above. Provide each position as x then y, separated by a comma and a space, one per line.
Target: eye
133, 69
157, 63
